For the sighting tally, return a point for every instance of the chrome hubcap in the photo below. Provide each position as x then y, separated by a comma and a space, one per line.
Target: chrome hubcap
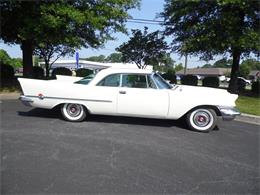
74, 110
201, 119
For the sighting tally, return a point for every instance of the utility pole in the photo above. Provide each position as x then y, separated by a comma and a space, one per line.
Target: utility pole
186, 63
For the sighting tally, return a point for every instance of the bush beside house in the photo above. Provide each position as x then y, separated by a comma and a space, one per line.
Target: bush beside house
210, 81
61, 71
189, 80
83, 72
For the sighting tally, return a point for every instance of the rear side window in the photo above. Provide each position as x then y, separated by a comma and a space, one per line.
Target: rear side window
134, 81
110, 81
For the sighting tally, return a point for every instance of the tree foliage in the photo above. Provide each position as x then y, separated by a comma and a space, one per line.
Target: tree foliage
100, 58
6, 59
143, 48
207, 28
114, 57
75, 24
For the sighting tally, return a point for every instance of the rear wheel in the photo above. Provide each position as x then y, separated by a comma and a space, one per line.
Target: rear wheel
73, 112
202, 119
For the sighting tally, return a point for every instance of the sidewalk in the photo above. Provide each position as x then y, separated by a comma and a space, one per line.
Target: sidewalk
9, 96
247, 118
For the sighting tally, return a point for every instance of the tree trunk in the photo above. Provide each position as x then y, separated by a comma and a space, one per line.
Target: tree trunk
233, 88
27, 48
47, 68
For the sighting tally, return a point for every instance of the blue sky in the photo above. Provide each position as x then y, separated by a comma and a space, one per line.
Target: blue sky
148, 10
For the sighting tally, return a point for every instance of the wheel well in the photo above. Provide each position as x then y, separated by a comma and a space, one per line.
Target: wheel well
215, 108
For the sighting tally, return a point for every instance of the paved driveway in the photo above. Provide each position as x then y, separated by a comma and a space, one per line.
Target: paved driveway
41, 153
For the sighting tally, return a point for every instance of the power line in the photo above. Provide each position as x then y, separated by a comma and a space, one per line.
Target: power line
143, 22
146, 20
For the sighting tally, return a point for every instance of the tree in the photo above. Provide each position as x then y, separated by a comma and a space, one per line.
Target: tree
178, 67
207, 28
223, 63
247, 65
114, 57
4, 57
143, 48
100, 58
48, 51
207, 66
79, 23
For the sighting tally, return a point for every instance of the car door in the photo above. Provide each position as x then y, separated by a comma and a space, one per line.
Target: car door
103, 96
138, 96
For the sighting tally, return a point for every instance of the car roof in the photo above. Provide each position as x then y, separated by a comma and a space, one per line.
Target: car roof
108, 71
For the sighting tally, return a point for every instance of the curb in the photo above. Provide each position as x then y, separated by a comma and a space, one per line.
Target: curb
248, 118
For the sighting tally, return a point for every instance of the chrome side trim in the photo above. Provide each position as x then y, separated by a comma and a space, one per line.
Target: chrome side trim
228, 113
26, 100
74, 99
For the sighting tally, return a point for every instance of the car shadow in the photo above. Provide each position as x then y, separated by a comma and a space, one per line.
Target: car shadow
55, 113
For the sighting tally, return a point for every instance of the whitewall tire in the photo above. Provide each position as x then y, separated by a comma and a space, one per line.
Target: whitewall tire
202, 119
73, 112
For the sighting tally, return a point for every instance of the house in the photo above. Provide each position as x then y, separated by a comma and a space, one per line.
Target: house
254, 75
204, 72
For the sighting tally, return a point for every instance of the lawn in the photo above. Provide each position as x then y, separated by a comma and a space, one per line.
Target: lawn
249, 105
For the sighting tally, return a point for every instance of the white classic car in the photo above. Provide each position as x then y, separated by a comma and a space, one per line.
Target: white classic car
130, 92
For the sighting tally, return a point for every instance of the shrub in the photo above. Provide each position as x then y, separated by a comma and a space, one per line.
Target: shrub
211, 81
7, 72
61, 71
83, 72
170, 75
38, 72
189, 80
256, 88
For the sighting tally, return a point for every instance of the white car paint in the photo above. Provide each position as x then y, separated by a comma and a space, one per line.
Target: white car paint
124, 101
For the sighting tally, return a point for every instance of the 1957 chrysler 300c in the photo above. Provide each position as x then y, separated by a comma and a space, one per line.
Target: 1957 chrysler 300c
130, 92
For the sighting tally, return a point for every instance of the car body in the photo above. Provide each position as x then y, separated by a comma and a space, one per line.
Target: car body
130, 92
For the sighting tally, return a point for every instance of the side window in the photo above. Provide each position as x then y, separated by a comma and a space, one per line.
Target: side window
134, 81
110, 81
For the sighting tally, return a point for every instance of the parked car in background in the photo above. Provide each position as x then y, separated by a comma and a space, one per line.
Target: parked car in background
241, 80
130, 92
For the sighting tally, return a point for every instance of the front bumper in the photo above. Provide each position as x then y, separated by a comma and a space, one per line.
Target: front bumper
26, 100
228, 113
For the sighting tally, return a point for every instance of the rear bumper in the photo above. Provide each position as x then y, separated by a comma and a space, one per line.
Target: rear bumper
228, 113
26, 100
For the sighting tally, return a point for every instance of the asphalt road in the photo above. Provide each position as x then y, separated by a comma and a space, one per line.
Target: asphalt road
41, 153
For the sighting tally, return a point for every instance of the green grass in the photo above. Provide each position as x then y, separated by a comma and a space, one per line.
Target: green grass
248, 105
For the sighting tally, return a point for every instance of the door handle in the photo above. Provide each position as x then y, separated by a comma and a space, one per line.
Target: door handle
122, 92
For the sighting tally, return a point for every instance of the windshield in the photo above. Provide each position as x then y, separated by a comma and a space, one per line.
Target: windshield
86, 79
160, 82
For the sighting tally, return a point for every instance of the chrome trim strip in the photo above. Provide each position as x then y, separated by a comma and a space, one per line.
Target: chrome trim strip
75, 99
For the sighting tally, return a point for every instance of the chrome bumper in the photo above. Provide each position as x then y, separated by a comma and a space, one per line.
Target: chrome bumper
26, 100
228, 113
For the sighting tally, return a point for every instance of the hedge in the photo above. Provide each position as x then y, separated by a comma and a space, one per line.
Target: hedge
170, 75
210, 81
83, 72
38, 72
256, 88
61, 71
189, 80
7, 72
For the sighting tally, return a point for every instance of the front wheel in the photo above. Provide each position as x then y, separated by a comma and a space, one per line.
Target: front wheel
73, 112
202, 119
